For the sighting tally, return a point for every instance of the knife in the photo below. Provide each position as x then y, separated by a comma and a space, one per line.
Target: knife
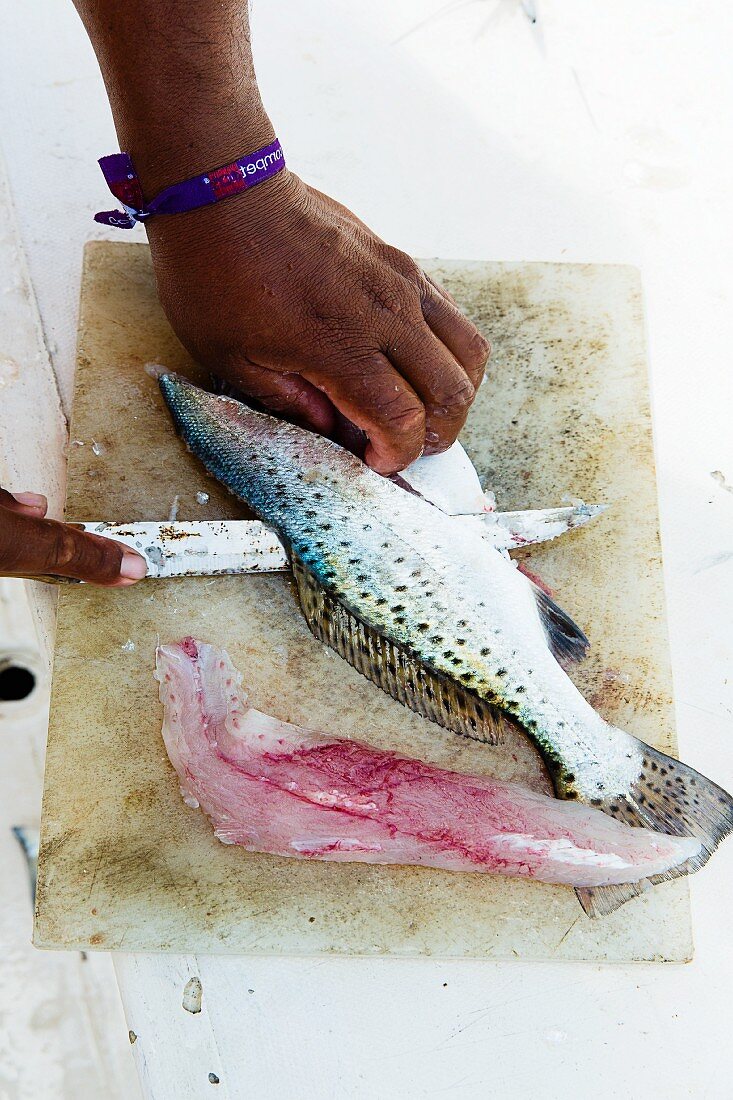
206, 548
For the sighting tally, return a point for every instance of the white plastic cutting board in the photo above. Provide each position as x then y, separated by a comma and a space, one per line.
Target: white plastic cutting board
125, 864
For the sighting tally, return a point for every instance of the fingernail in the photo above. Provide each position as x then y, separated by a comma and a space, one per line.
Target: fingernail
31, 500
134, 567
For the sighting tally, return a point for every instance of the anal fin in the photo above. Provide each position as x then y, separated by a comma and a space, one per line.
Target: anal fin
393, 667
566, 640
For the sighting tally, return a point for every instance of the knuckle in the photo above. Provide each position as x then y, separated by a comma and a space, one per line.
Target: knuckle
437, 303
458, 397
64, 548
388, 297
442, 292
396, 259
408, 418
407, 266
84, 555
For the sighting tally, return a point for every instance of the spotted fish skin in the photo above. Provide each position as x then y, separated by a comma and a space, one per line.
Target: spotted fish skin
424, 592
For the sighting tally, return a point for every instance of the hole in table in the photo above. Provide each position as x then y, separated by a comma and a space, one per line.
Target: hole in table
16, 683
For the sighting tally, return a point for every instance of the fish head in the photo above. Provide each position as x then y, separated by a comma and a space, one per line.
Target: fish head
268, 463
333, 514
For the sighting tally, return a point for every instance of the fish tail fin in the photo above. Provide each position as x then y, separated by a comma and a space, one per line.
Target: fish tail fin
599, 901
670, 797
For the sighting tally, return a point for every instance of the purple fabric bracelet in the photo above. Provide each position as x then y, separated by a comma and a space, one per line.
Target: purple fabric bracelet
202, 190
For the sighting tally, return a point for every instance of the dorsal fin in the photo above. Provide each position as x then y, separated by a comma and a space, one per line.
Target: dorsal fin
394, 668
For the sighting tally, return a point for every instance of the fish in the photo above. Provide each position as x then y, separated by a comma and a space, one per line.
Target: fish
450, 482
271, 786
418, 602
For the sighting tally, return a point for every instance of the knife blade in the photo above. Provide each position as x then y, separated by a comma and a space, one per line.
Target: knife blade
202, 548
513, 530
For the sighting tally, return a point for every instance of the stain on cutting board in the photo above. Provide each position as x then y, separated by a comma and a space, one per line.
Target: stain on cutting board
125, 864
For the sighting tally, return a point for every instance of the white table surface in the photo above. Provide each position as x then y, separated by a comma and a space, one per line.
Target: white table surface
601, 134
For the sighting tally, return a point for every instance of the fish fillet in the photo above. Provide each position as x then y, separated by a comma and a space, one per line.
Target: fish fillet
273, 787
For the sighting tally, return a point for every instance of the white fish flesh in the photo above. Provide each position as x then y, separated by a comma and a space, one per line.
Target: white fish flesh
270, 786
450, 482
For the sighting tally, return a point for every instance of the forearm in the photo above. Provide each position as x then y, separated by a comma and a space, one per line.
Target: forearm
181, 83
317, 318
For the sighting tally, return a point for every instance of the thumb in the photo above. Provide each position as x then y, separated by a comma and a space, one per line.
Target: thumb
32, 547
29, 504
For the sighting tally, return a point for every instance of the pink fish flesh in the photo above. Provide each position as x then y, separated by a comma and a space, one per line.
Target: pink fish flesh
274, 787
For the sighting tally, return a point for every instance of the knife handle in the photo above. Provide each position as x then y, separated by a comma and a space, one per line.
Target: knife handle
46, 578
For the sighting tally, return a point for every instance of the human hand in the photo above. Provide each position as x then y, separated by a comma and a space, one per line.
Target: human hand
286, 294
281, 290
33, 546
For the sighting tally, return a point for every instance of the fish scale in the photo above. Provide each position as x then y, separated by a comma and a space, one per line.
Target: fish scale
324, 522
365, 544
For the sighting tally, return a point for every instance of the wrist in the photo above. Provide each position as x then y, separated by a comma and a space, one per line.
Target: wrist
179, 148
262, 213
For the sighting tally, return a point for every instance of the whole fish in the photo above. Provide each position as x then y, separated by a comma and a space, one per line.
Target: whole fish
270, 786
417, 601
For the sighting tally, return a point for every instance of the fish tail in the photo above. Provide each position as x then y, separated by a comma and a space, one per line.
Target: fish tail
670, 797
